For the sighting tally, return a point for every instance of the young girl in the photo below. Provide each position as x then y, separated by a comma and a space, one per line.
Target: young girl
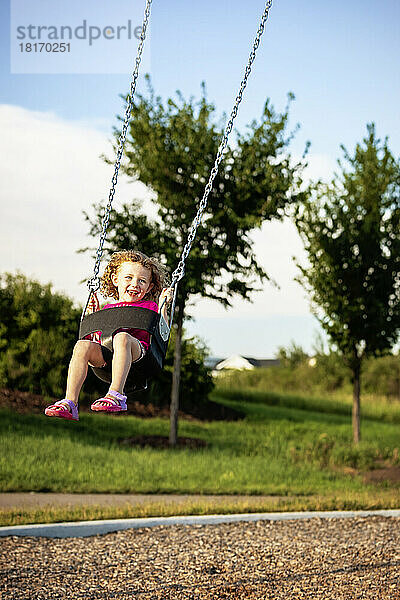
133, 279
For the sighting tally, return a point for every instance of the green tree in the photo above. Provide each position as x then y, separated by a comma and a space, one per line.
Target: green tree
38, 328
351, 233
171, 149
292, 356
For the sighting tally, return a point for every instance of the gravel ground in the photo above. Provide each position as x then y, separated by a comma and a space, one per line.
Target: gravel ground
338, 559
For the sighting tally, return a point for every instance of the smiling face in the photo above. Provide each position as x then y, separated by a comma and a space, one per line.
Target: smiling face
132, 281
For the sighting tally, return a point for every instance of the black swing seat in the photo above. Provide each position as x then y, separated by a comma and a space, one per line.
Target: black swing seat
110, 320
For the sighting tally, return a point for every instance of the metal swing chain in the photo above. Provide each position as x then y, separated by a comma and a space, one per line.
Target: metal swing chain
180, 270
94, 282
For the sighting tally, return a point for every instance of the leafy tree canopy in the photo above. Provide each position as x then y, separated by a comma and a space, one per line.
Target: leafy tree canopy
171, 148
351, 232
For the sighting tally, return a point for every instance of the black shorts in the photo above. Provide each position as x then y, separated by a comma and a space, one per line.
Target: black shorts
108, 356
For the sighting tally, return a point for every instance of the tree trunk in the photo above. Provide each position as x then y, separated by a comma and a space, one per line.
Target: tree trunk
176, 377
356, 404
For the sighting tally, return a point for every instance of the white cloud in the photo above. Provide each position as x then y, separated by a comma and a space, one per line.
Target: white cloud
51, 171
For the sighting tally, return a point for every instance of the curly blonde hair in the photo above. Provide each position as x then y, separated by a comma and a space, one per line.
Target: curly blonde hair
158, 273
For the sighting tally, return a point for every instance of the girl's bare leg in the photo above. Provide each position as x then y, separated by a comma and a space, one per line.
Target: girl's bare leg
85, 352
126, 349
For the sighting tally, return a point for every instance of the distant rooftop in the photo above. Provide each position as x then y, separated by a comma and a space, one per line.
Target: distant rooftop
238, 361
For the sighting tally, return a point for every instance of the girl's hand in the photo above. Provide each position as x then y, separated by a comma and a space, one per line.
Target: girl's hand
168, 294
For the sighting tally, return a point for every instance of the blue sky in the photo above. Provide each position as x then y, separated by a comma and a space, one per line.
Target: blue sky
339, 59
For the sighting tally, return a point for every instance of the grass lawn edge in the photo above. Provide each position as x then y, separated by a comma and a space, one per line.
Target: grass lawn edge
385, 499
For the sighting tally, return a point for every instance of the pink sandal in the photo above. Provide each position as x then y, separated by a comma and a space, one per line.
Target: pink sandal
116, 402
58, 409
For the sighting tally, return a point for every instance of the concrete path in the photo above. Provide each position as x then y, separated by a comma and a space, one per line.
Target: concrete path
26, 500
89, 528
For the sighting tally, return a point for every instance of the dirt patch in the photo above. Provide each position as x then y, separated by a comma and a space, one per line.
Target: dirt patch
160, 441
22, 402
29, 403
391, 474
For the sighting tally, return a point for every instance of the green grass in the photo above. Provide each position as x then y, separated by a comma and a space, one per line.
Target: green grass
286, 446
275, 450
338, 403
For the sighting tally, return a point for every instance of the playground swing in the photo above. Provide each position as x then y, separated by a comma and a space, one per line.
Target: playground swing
110, 320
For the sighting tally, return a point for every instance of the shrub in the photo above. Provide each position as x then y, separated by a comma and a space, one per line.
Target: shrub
382, 376
196, 379
38, 328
